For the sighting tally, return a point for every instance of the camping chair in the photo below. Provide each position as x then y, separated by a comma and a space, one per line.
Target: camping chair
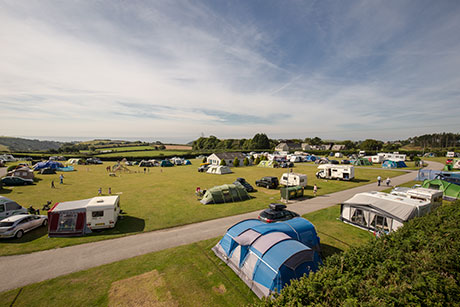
199, 193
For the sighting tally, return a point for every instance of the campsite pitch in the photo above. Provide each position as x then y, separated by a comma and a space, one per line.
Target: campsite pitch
159, 198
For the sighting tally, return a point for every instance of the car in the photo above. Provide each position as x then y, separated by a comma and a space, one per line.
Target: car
17, 225
245, 184
203, 168
286, 164
14, 180
345, 161
276, 213
269, 182
334, 162
449, 161
93, 161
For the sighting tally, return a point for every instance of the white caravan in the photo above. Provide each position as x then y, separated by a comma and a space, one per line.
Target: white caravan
450, 154
396, 156
431, 195
338, 155
293, 179
377, 159
335, 171
102, 212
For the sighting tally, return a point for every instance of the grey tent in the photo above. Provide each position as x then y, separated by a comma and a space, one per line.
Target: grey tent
226, 193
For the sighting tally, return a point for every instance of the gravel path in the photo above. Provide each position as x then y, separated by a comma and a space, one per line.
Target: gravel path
20, 270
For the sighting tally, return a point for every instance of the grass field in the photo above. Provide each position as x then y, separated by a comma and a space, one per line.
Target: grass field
190, 275
160, 198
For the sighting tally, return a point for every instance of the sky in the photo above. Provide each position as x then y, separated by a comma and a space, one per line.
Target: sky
178, 70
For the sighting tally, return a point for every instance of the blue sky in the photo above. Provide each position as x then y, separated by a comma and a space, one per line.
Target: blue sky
174, 70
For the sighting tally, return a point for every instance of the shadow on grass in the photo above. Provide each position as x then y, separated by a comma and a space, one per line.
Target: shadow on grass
329, 250
5, 191
360, 180
126, 224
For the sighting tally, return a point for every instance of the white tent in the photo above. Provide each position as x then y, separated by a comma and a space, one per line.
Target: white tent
219, 169
377, 211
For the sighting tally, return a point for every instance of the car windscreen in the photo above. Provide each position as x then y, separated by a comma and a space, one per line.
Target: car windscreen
6, 224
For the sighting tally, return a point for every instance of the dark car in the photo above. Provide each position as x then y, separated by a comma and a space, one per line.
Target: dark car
245, 184
276, 213
345, 162
268, 182
14, 180
334, 162
93, 161
286, 164
203, 168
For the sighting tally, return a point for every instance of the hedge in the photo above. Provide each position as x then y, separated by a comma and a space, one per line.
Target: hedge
418, 265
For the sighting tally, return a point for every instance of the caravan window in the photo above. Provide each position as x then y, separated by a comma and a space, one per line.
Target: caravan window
98, 214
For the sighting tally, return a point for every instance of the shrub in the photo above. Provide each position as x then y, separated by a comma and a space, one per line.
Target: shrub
246, 161
12, 167
222, 162
257, 161
205, 160
236, 162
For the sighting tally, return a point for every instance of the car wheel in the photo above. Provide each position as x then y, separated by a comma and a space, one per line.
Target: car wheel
19, 234
45, 222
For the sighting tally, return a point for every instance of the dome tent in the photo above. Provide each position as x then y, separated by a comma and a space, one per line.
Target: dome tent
267, 256
393, 164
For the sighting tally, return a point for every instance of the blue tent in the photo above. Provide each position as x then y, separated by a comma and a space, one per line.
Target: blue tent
393, 164
166, 163
267, 256
187, 162
311, 159
47, 164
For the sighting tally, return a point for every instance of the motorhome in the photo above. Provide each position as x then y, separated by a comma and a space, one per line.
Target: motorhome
334, 171
9, 207
450, 154
431, 195
377, 159
293, 179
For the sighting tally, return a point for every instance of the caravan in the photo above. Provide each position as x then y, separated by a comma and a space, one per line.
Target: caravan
333, 171
75, 218
294, 179
431, 195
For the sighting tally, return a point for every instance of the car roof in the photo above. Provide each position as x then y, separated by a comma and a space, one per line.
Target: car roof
15, 218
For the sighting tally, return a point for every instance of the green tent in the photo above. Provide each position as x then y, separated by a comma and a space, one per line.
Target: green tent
267, 163
449, 190
361, 162
226, 193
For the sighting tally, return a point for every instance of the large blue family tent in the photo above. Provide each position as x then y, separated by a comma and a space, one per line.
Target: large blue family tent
310, 159
267, 256
47, 164
393, 164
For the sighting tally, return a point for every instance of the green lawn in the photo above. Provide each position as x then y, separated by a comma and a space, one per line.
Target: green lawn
143, 153
160, 198
192, 274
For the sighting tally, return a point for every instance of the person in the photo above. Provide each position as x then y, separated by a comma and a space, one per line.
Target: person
379, 180
61, 179
52, 184
388, 181
100, 191
145, 169
315, 189
110, 191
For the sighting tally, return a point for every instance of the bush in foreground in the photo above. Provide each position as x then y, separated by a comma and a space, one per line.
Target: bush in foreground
417, 265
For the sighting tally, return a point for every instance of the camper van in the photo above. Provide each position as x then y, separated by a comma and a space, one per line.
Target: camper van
377, 159
294, 179
431, 195
450, 154
334, 171
9, 208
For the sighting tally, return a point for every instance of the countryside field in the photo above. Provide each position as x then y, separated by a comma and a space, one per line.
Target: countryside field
142, 153
160, 198
189, 275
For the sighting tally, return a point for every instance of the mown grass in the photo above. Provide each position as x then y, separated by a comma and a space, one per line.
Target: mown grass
159, 198
192, 273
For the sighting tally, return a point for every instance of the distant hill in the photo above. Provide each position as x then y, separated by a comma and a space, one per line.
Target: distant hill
12, 144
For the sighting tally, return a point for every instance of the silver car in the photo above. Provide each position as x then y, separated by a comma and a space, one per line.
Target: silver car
16, 226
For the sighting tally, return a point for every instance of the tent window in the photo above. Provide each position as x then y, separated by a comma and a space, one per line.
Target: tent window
358, 217
67, 222
98, 214
380, 222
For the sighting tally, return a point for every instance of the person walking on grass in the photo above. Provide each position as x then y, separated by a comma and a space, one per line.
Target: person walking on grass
61, 179
388, 181
379, 180
100, 191
315, 189
52, 184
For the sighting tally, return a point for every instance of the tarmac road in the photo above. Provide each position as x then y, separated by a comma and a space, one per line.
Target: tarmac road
20, 270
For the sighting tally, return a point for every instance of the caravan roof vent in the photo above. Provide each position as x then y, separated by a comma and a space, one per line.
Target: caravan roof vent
100, 200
